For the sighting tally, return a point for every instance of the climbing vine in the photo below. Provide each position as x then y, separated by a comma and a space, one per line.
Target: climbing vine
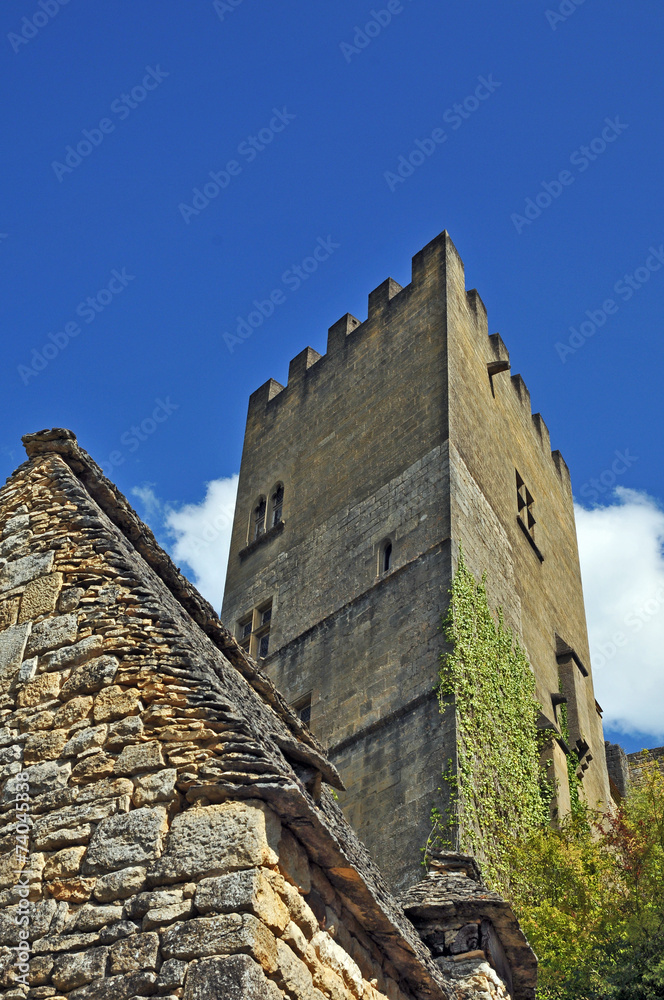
497, 787
576, 806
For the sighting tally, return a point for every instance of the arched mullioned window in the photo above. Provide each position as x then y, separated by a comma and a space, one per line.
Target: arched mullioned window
277, 504
385, 556
259, 517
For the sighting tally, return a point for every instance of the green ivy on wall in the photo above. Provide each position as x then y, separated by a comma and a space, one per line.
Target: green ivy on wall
497, 787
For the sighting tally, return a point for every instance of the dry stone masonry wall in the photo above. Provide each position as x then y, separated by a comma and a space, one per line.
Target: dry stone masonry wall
163, 830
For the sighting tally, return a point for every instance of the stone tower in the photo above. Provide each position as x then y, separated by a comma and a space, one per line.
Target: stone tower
359, 482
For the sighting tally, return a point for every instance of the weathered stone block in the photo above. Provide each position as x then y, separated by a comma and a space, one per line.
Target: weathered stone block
51, 634
92, 736
161, 916
120, 884
293, 975
126, 840
293, 862
72, 656
244, 891
46, 777
159, 787
45, 687
71, 890
221, 935
40, 596
116, 702
90, 677
73, 711
234, 978
133, 984
9, 612
64, 864
21, 571
44, 746
335, 958
93, 918
216, 839
135, 953
12, 647
171, 975
93, 768
19, 522
140, 757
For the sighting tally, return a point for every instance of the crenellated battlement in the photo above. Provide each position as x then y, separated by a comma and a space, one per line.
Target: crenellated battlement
437, 287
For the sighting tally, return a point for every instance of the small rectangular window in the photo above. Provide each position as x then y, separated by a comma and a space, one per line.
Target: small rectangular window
302, 708
264, 645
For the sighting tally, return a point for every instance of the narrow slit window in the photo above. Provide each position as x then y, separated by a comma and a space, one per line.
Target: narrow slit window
277, 505
385, 552
303, 709
387, 557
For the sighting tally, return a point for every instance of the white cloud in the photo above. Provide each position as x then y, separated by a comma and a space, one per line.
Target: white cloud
199, 533
622, 565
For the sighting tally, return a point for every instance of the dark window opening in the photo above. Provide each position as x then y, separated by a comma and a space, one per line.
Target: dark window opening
277, 505
303, 709
259, 518
387, 557
264, 645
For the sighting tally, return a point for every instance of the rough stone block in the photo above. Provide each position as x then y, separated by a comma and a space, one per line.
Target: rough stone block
132, 954
44, 746
216, 839
221, 935
46, 777
116, 702
19, 522
75, 970
64, 864
244, 891
12, 647
293, 975
234, 978
52, 633
171, 975
293, 862
159, 787
73, 711
161, 916
79, 652
45, 687
335, 958
85, 739
125, 840
71, 890
93, 918
140, 757
120, 884
9, 612
40, 597
90, 677
133, 984
93, 768
21, 571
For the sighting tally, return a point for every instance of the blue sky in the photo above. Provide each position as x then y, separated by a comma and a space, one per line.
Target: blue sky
117, 114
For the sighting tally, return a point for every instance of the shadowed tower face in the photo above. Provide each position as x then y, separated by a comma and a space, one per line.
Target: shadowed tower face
359, 481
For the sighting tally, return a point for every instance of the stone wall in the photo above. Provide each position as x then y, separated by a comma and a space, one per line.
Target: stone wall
165, 822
